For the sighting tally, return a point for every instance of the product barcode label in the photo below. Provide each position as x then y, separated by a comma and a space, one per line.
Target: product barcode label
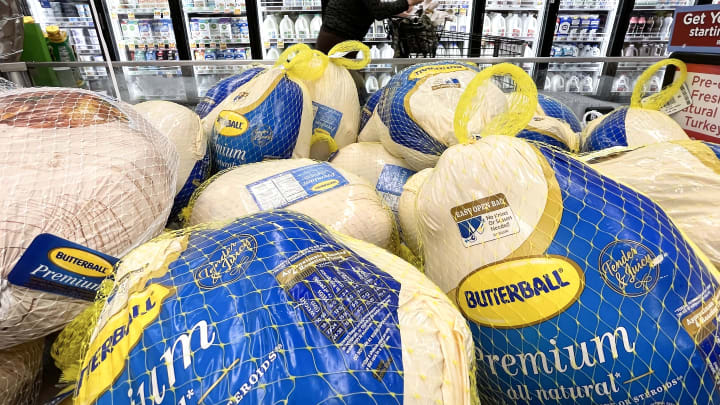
295, 185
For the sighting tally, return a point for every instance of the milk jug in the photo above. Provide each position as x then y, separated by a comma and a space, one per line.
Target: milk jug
512, 26
371, 84
498, 25
287, 28
530, 27
487, 25
302, 27
315, 25
272, 53
387, 52
375, 52
270, 28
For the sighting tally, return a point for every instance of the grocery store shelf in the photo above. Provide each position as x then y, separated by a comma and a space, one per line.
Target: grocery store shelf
217, 70
289, 41
141, 11
213, 10
657, 6
512, 8
653, 39
278, 9
73, 22
580, 38
217, 41
154, 71
590, 9
147, 41
575, 69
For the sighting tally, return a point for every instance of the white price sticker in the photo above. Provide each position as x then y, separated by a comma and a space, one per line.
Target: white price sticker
679, 102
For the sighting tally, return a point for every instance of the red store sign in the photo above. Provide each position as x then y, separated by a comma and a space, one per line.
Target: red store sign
701, 120
696, 29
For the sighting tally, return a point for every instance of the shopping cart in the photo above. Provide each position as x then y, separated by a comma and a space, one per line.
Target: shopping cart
416, 37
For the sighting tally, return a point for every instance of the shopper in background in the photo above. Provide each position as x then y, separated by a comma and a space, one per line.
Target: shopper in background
345, 20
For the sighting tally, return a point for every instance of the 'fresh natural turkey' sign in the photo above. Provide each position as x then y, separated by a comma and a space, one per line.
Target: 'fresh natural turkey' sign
696, 29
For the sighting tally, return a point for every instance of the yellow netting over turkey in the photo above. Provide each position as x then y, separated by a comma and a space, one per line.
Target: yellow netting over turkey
641, 123
85, 178
577, 288
274, 308
335, 99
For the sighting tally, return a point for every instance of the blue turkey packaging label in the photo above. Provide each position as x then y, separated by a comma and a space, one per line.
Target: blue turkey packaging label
58, 266
326, 119
295, 185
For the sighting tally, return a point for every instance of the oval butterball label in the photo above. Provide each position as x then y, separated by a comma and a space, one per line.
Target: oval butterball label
522, 292
325, 185
430, 70
230, 123
80, 262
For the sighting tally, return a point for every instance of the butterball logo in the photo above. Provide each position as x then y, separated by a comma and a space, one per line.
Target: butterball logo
228, 262
630, 268
521, 292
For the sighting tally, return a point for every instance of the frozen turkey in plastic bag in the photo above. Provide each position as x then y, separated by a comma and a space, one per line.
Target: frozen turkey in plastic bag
418, 106
274, 308
182, 126
269, 117
85, 176
641, 123
335, 100
332, 196
683, 177
577, 288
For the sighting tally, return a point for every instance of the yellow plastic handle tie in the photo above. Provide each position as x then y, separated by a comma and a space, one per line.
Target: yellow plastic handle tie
303, 63
347, 47
522, 103
320, 135
656, 101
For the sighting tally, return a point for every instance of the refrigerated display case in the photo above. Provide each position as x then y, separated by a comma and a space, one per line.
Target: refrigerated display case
76, 18
216, 30
648, 33
583, 29
518, 19
142, 30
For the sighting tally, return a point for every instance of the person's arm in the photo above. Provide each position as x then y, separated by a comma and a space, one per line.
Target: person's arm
383, 9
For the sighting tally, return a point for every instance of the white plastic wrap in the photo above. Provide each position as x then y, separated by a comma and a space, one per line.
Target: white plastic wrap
328, 194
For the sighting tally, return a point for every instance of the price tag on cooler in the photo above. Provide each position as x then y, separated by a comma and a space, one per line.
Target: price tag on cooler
237, 11
266, 45
131, 16
223, 45
696, 29
213, 44
701, 117
157, 15
280, 44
